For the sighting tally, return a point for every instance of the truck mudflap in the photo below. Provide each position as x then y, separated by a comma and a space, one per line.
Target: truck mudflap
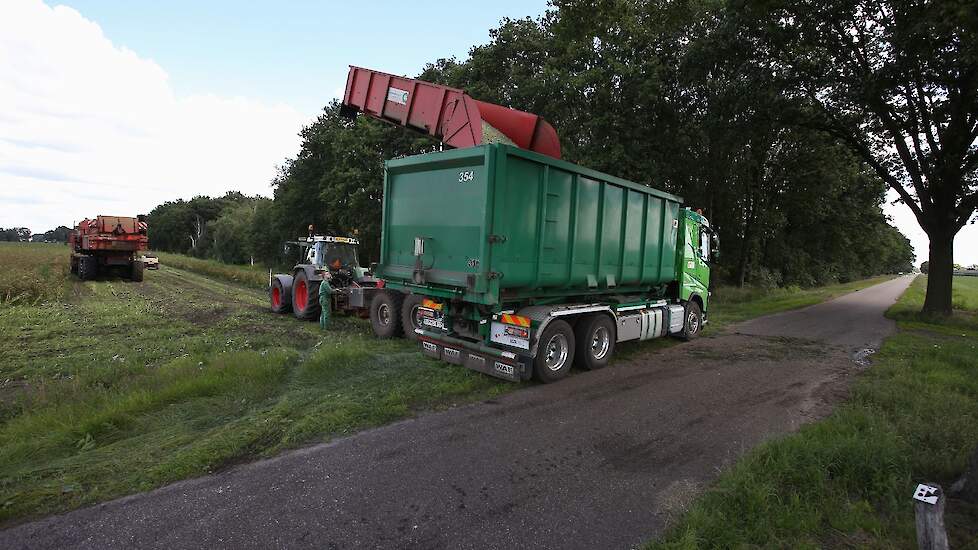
494, 362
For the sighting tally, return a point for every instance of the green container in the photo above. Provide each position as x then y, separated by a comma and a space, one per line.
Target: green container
497, 224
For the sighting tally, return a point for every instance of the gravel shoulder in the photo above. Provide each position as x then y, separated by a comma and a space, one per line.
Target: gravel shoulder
600, 460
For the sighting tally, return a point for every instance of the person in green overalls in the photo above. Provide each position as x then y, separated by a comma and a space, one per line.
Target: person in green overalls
325, 302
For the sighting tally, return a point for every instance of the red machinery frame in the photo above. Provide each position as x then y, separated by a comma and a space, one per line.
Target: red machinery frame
445, 113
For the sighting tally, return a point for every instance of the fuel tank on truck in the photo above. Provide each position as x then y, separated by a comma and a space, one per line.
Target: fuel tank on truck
496, 223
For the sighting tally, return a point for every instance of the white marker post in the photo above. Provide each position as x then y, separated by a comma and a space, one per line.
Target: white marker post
929, 511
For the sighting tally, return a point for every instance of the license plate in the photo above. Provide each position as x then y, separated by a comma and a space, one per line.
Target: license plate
504, 368
436, 323
509, 336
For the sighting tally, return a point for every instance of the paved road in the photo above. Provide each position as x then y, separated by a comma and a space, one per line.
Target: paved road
600, 460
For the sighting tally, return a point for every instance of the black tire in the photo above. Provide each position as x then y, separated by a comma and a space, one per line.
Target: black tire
385, 314
74, 265
280, 297
692, 321
305, 297
596, 337
87, 268
410, 319
555, 352
137, 272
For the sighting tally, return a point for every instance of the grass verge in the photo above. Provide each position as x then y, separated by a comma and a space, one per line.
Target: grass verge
847, 480
254, 276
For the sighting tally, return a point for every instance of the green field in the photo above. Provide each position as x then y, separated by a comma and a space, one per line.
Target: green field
111, 387
846, 481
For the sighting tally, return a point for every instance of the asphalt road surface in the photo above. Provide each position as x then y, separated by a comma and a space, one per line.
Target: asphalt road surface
600, 460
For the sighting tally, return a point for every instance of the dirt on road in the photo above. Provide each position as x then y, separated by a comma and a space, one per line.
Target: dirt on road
600, 460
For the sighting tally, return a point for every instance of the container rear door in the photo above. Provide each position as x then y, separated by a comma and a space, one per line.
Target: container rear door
435, 206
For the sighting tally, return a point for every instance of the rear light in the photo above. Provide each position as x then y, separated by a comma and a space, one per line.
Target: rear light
380, 283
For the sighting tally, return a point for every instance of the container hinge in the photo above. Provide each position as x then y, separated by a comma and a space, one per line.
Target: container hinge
493, 239
494, 275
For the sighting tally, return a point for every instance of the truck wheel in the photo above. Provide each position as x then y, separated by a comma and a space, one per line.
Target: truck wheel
693, 321
596, 336
305, 297
87, 268
555, 352
411, 316
137, 272
280, 295
385, 314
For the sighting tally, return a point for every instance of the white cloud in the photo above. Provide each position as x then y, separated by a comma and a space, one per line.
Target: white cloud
89, 128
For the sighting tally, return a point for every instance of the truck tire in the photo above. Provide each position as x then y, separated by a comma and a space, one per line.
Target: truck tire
596, 336
410, 317
305, 297
555, 352
385, 314
280, 294
137, 272
87, 268
692, 321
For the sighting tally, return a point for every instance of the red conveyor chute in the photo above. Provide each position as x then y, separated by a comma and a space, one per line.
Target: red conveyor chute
448, 114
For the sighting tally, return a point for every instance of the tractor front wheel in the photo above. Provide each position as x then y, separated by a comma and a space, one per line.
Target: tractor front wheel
280, 294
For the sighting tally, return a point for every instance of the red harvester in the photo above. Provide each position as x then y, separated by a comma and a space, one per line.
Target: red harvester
108, 242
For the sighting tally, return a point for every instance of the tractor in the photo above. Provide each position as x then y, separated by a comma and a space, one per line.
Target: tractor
298, 291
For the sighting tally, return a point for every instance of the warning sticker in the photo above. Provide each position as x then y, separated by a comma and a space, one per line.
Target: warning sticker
397, 96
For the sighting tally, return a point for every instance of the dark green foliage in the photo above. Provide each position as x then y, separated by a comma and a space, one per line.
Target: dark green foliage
225, 228
15, 234
56, 235
336, 180
676, 95
896, 82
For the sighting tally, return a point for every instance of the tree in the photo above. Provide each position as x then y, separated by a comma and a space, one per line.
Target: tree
897, 82
15, 234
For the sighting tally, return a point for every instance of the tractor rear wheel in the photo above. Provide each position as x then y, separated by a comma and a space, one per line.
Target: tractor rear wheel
138, 268
87, 268
410, 316
305, 297
385, 314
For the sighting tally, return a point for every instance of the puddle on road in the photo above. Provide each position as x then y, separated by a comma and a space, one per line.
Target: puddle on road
861, 357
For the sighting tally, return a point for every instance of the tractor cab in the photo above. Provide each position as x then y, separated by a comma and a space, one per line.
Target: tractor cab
334, 253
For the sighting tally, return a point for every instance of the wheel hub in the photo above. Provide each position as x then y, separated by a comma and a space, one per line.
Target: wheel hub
600, 343
556, 352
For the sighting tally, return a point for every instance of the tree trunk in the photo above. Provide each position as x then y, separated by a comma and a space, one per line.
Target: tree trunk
939, 274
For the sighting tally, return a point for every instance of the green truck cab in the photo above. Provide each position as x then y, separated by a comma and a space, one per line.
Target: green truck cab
517, 264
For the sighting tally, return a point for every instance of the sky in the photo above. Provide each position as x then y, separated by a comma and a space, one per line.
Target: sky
115, 107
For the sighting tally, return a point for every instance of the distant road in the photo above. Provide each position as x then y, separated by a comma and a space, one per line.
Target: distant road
599, 460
